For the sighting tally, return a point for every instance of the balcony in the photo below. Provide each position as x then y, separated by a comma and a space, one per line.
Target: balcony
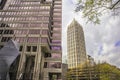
56, 51
53, 59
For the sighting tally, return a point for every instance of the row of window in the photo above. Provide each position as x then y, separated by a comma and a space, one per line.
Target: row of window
76, 47
31, 40
28, 48
35, 48
31, 7
6, 32
30, 2
25, 25
24, 39
45, 32
25, 13
76, 56
26, 19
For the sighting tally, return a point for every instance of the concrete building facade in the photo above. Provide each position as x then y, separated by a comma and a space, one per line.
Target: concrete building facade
36, 26
64, 71
75, 45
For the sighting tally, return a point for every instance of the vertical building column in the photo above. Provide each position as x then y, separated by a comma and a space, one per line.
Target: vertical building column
42, 66
46, 76
21, 66
36, 72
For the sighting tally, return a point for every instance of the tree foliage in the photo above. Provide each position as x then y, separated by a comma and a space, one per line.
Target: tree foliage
82, 71
103, 71
94, 9
108, 72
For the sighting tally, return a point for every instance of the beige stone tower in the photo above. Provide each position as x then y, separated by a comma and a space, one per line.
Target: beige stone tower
75, 45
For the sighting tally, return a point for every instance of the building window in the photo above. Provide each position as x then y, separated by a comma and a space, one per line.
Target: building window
34, 31
56, 48
5, 39
54, 65
21, 47
44, 32
1, 46
47, 55
44, 40
1, 31
55, 55
20, 39
34, 48
43, 1
28, 48
33, 39
45, 64
31, 48
8, 32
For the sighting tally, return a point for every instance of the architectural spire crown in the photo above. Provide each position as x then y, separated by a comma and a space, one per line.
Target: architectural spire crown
74, 22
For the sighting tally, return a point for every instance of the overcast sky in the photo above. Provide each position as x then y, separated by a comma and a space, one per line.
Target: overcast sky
102, 41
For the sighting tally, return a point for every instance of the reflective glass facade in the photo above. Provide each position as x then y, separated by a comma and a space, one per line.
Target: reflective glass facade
36, 25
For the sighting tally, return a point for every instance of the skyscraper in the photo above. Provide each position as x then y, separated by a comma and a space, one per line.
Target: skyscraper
36, 25
75, 45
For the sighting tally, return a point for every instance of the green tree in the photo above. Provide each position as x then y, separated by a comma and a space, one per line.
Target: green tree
103, 71
93, 9
108, 72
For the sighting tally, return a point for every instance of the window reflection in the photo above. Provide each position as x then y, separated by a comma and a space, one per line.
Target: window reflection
55, 55
34, 31
54, 65
56, 47
32, 39
44, 40
20, 39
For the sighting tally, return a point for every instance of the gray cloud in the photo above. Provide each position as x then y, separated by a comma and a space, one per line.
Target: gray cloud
105, 35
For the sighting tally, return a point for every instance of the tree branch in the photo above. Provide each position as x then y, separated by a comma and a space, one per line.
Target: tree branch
115, 4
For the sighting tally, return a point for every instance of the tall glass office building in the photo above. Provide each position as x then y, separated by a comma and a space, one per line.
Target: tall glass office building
36, 26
